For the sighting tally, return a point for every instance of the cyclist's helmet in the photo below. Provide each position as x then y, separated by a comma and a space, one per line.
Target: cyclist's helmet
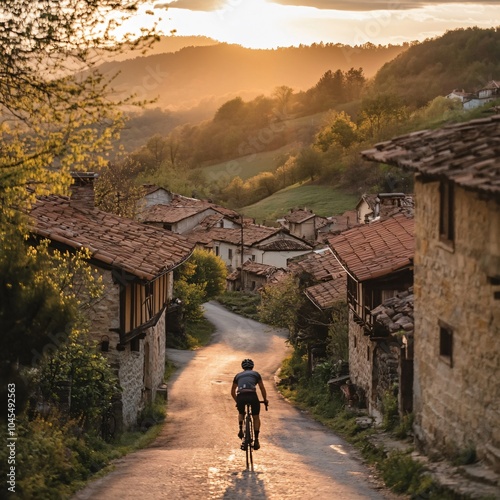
247, 364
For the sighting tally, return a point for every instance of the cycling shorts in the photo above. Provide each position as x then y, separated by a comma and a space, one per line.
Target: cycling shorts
248, 397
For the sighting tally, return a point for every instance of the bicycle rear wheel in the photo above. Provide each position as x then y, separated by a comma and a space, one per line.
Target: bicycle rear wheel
249, 442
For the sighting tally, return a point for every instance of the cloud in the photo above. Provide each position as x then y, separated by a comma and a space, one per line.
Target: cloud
367, 5
197, 5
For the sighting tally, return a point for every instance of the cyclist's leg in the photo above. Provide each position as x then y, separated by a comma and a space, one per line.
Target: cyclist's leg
256, 412
240, 404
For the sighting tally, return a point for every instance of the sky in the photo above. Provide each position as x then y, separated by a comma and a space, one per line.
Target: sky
284, 23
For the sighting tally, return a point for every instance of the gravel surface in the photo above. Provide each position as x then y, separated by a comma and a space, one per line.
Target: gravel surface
197, 454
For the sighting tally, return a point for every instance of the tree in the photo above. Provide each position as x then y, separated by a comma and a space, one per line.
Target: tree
58, 112
380, 110
340, 130
210, 271
280, 304
309, 163
116, 190
283, 95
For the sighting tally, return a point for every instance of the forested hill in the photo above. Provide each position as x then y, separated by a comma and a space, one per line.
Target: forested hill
460, 59
211, 75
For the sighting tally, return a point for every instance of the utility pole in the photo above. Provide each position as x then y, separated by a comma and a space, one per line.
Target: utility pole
242, 251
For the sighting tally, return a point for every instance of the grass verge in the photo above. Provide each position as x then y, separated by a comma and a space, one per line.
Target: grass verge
244, 304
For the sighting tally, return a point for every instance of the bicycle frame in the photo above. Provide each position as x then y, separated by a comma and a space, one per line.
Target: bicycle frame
248, 435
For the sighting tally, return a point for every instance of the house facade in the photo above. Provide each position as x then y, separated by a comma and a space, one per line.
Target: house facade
457, 284
135, 263
378, 261
260, 244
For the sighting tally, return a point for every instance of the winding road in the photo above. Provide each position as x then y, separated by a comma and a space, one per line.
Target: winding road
197, 454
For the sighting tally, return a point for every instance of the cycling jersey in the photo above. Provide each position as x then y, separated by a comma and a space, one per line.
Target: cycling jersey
247, 381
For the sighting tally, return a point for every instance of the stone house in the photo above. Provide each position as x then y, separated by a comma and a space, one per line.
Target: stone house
382, 205
324, 277
393, 328
154, 195
301, 223
457, 284
136, 264
378, 261
261, 244
252, 276
183, 214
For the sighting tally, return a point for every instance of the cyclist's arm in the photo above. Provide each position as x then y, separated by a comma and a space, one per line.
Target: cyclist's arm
233, 390
262, 390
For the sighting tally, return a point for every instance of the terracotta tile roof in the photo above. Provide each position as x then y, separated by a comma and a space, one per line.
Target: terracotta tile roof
321, 266
465, 153
373, 250
285, 245
183, 201
298, 216
210, 221
144, 251
169, 214
325, 295
152, 188
252, 234
259, 269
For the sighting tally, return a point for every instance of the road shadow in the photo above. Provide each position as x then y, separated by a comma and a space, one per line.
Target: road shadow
246, 484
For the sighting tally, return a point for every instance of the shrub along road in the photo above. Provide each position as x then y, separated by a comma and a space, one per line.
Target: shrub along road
197, 453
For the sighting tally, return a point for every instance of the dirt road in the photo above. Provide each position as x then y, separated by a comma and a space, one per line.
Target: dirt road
197, 454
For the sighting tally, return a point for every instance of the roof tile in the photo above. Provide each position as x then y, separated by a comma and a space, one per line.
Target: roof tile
144, 251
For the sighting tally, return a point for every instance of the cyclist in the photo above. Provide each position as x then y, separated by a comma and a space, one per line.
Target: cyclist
243, 391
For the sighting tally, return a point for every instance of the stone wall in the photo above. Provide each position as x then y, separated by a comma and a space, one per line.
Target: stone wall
141, 372
138, 385
360, 357
457, 403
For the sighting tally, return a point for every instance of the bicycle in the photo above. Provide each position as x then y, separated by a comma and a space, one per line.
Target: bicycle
248, 441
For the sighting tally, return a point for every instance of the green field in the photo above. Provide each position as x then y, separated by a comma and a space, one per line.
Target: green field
296, 130
322, 200
246, 166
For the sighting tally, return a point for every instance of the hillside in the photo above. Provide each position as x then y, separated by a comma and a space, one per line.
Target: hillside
204, 77
322, 200
460, 59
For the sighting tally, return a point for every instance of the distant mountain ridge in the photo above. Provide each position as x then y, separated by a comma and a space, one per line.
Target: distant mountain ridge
206, 76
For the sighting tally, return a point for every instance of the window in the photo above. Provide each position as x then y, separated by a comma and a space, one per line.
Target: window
446, 212
217, 251
446, 342
230, 254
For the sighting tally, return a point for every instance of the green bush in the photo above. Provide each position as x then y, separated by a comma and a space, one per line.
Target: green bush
390, 412
400, 473
54, 458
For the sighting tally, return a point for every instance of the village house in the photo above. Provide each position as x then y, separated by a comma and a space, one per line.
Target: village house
183, 214
472, 100
456, 400
306, 225
324, 278
261, 244
154, 195
252, 276
382, 206
378, 261
136, 263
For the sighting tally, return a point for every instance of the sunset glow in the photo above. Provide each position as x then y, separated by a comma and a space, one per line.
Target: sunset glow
267, 24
